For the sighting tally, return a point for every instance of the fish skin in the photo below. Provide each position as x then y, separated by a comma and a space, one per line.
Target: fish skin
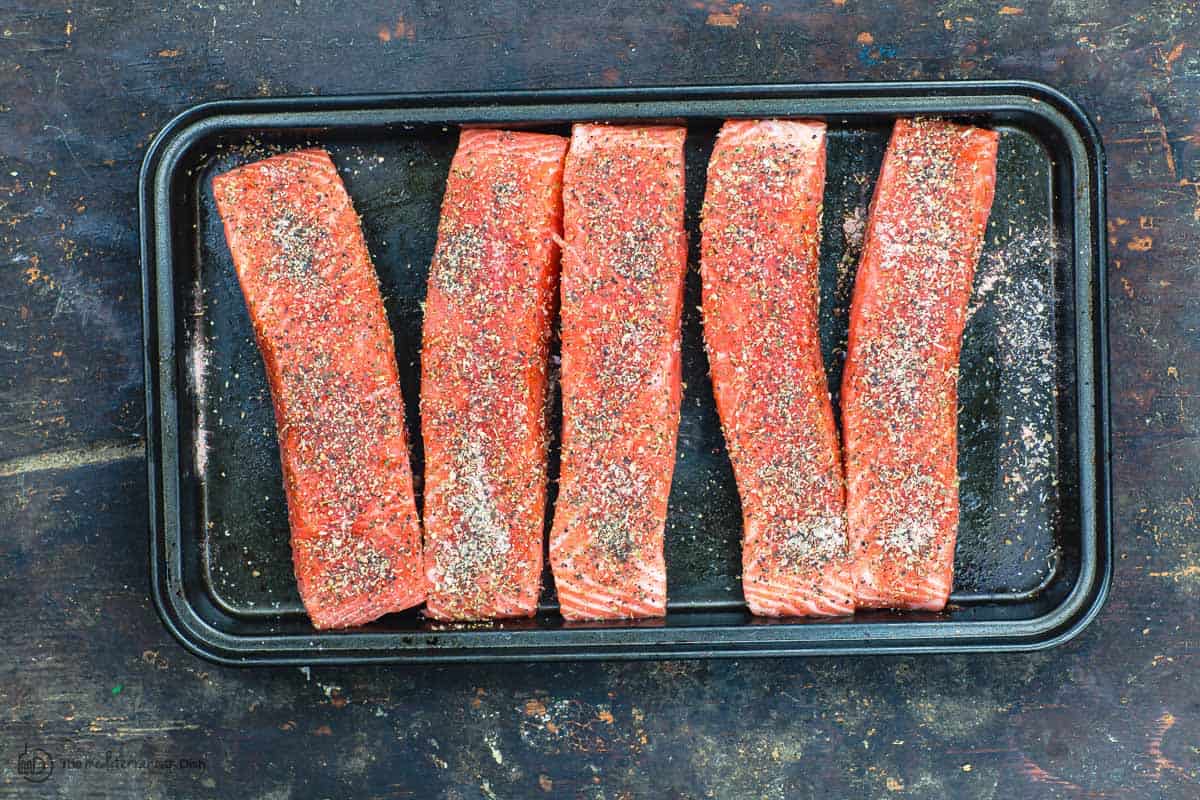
760, 265
488, 313
317, 313
624, 262
899, 390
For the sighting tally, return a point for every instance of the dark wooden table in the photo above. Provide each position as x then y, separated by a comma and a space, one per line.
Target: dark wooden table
88, 672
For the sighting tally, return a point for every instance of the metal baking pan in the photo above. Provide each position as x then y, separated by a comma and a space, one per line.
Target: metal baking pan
1034, 557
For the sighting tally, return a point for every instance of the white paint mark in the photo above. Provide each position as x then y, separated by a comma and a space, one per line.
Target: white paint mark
490, 740
103, 453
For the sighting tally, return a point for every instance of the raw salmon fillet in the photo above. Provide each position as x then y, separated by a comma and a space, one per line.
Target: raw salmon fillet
317, 314
622, 298
488, 311
761, 233
899, 390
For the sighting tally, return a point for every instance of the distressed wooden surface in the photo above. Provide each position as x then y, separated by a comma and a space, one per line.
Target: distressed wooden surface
86, 669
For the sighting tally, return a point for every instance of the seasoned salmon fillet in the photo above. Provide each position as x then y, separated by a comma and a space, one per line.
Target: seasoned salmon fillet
318, 317
488, 311
899, 390
623, 271
761, 233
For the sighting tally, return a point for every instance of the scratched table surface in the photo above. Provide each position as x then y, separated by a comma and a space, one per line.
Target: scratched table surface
91, 683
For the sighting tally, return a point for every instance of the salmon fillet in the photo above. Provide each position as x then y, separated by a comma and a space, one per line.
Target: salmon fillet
317, 314
488, 311
623, 270
761, 232
899, 390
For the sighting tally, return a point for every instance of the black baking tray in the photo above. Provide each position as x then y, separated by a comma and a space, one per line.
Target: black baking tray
1034, 558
